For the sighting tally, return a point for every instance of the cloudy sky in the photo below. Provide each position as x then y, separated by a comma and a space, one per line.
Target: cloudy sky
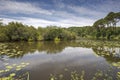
63, 13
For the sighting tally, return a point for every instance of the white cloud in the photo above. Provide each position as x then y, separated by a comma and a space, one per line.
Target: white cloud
80, 10
43, 23
64, 18
108, 6
20, 7
86, 11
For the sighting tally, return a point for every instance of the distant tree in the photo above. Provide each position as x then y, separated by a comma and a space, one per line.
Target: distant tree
99, 23
112, 18
56, 32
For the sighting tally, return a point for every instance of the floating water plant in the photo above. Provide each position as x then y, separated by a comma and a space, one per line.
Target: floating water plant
14, 67
98, 75
5, 49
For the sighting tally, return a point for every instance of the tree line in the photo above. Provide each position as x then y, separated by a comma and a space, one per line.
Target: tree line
104, 28
15, 31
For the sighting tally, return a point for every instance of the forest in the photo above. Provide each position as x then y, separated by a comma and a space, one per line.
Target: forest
104, 28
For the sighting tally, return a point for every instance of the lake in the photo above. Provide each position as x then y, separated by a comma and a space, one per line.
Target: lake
65, 60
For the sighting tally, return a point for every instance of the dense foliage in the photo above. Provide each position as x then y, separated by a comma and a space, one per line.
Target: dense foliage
104, 28
15, 31
54, 32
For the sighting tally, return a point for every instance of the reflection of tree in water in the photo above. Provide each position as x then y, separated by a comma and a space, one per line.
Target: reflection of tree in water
19, 49
14, 50
112, 55
108, 53
51, 47
110, 50
48, 47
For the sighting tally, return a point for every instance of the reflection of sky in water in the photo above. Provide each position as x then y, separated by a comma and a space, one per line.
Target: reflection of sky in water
74, 58
69, 56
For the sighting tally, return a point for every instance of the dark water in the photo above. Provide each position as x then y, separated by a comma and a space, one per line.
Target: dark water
62, 58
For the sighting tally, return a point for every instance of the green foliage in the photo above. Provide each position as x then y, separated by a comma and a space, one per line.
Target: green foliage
3, 37
15, 31
56, 39
110, 20
99, 23
104, 28
55, 32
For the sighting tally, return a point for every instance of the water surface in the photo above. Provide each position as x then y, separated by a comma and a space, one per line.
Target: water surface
62, 58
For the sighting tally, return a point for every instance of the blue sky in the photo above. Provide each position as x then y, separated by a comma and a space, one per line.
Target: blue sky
64, 13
